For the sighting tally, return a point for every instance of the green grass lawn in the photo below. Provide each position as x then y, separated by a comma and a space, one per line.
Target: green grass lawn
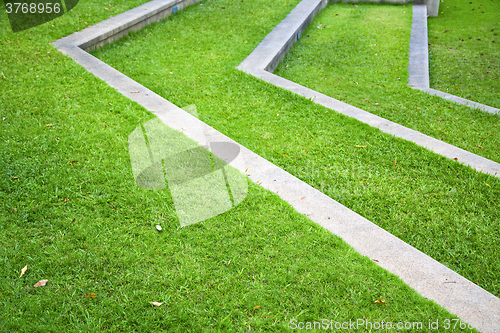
465, 50
435, 204
71, 212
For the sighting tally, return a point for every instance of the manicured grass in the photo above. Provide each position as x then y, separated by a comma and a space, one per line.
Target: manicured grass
70, 210
465, 50
435, 204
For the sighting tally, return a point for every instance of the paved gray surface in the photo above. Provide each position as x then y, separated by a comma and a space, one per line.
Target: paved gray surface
418, 64
424, 274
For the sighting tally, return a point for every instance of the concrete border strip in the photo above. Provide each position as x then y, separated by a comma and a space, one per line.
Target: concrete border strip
430, 278
418, 64
276, 44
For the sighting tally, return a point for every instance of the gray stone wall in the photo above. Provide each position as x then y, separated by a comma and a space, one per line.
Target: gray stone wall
432, 5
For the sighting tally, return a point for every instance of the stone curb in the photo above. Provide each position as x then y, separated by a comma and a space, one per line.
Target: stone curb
418, 64
424, 274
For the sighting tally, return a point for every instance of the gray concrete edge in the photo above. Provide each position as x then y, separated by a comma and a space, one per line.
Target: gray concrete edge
418, 65
446, 287
117, 26
460, 100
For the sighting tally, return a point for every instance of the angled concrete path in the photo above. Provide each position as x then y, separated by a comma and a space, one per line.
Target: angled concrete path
430, 278
418, 64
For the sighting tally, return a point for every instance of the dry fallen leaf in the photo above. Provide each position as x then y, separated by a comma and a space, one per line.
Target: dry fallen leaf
487, 184
303, 197
358, 146
256, 307
395, 162
40, 283
380, 301
92, 295
156, 303
48, 125
23, 270
455, 158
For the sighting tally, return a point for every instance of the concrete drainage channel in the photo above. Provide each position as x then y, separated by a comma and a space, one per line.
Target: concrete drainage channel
427, 276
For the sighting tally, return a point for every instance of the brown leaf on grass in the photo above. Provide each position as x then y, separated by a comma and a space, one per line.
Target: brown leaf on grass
487, 184
156, 303
455, 158
358, 146
48, 125
380, 301
395, 162
23, 270
480, 146
256, 307
40, 283
91, 295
